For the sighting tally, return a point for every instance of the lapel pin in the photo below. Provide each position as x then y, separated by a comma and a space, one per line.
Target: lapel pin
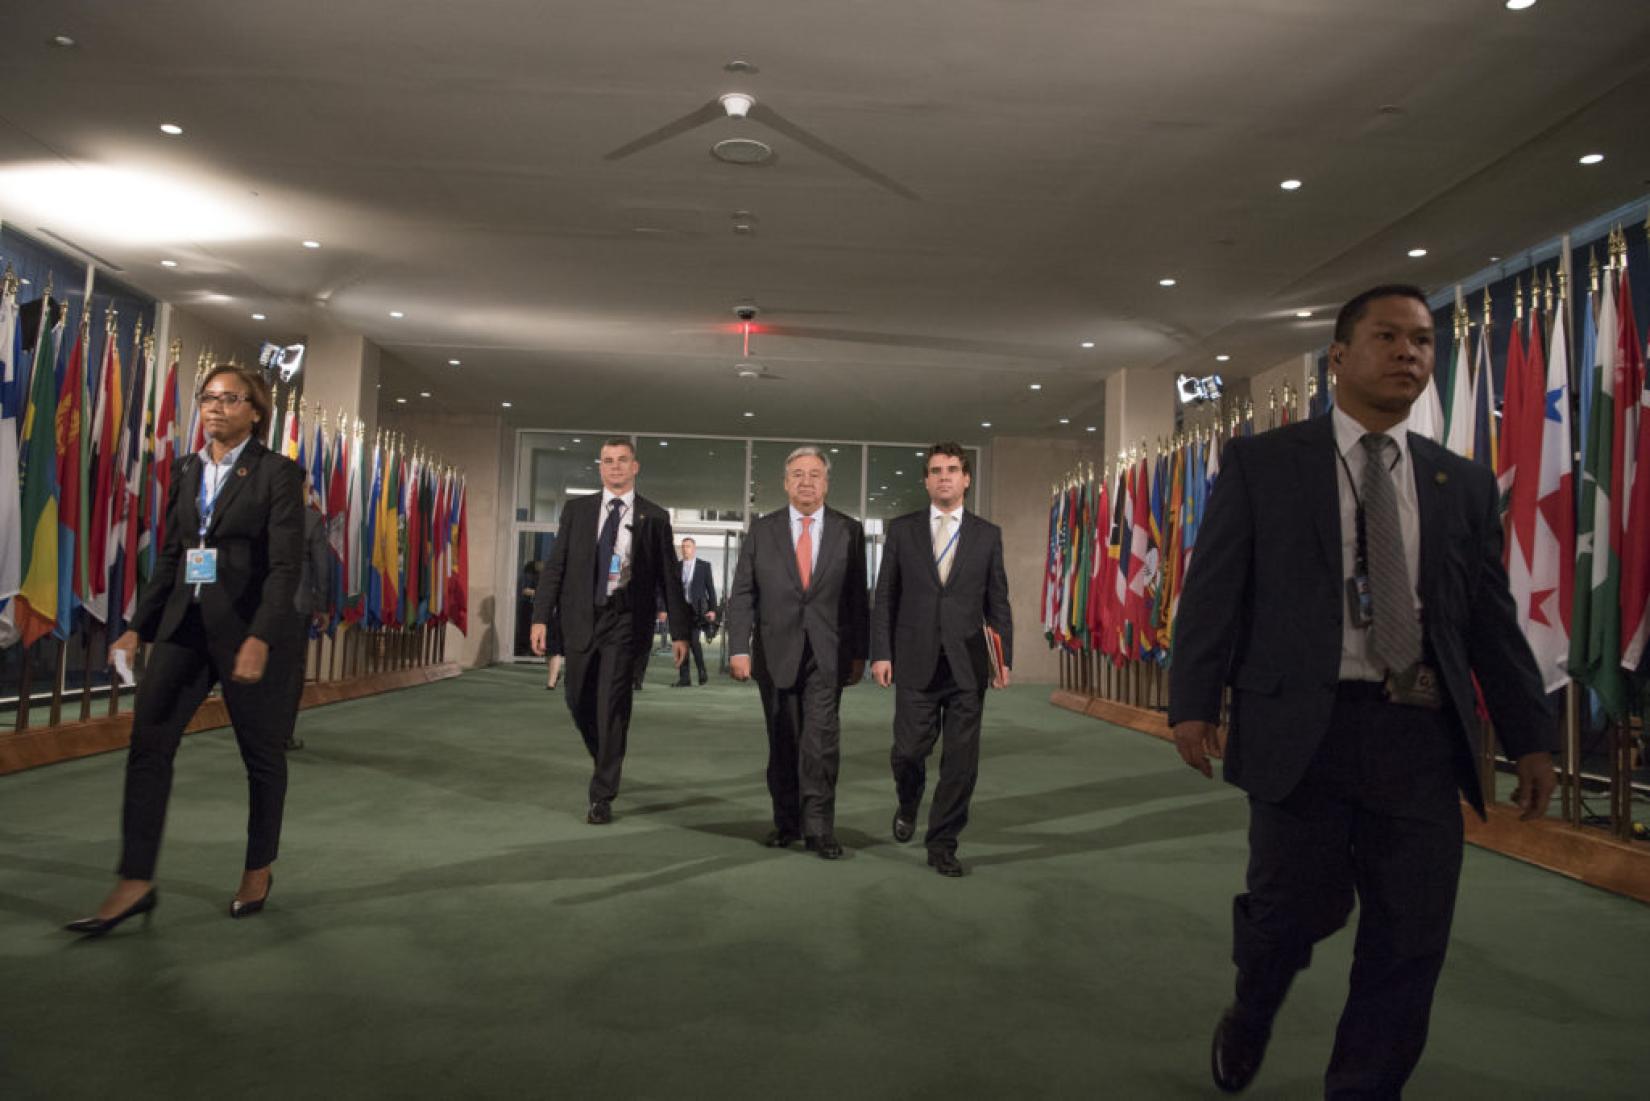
240, 472
1440, 477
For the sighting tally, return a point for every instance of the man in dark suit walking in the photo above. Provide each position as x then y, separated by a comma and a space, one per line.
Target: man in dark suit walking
1347, 584
942, 585
611, 564
798, 622
699, 587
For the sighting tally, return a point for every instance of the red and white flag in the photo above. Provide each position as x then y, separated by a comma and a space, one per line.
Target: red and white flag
1546, 612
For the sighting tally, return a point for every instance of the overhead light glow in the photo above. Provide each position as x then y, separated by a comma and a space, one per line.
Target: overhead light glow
63, 41
505, 404
312, 244
1290, 185
397, 314
258, 317
1065, 420
1165, 282
985, 424
1417, 253
1035, 386
1592, 158
1519, 5
1088, 343
423, 393
748, 413
99, 205
1222, 358
1303, 313
737, 104
1090, 428
664, 443
400, 401
171, 128
168, 263
456, 363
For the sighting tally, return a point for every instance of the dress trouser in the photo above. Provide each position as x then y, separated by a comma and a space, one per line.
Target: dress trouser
180, 672
698, 652
600, 683
921, 717
804, 748
1377, 817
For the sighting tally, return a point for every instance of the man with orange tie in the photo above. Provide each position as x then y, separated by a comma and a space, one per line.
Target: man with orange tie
798, 620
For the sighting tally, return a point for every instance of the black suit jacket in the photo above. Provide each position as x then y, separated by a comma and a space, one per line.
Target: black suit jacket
916, 619
258, 530
701, 590
568, 580
770, 616
1264, 598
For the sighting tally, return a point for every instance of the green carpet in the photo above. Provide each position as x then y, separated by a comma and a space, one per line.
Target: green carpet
444, 924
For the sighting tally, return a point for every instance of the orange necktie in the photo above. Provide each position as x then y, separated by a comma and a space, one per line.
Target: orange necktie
805, 552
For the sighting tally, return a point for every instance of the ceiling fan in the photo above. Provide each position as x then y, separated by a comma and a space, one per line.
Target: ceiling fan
739, 105
747, 368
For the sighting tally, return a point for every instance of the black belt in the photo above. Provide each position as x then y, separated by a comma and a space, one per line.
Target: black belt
1361, 691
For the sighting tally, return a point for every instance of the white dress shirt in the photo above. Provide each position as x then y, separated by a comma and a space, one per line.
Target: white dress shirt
621, 543
215, 474
1356, 661
954, 536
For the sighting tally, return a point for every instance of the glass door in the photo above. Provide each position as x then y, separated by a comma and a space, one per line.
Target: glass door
533, 546
718, 545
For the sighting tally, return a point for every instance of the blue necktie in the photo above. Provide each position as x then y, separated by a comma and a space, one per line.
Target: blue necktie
604, 547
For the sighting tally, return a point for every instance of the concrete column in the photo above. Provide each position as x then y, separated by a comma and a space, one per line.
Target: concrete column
1140, 404
1021, 472
341, 372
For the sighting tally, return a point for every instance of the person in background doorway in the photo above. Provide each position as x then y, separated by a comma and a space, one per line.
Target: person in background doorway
700, 590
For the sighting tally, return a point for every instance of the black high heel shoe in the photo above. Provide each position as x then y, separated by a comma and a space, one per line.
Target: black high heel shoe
239, 909
97, 926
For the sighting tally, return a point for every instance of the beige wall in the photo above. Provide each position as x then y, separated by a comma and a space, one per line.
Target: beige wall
1140, 405
197, 335
1264, 384
341, 371
476, 444
1022, 472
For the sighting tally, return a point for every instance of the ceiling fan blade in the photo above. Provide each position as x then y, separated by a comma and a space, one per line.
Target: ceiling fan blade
775, 121
917, 340
695, 118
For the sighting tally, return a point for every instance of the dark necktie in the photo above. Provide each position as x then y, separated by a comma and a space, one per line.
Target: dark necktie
604, 547
1395, 634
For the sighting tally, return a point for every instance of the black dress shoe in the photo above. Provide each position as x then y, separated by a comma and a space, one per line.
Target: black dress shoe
1238, 1048
781, 839
239, 909
702, 679
293, 744
826, 846
946, 863
96, 926
905, 826
600, 814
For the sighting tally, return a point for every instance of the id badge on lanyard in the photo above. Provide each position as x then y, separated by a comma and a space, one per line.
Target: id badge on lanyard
200, 563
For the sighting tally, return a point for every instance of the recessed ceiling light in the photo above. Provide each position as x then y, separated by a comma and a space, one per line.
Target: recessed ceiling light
168, 263
1290, 185
454, 362
1592, 158
397, 313
1088, 343
1090, 428
748, 413
1519, 5
1303, 313
884, 487
423, 393
1222, 358
1417, 253
1065, 420
985, 424
577, 440
1035, 386
1165, 282
505, 404
664, 443
899, 473
1495, 259
62, 42
400, 401
312, 244
171, 128
834, 450
258, 317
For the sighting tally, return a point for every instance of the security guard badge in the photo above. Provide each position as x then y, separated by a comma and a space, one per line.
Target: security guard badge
1417, 686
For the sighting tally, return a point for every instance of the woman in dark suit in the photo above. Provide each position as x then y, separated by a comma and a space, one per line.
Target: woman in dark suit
219, 610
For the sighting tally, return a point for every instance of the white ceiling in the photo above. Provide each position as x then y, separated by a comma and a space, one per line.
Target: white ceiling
1063, 155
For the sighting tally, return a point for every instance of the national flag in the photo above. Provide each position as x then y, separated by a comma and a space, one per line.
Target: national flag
1426, 416
1521, 455
165, 447
1517, 430
103, 443
1633, 397
1051, 568
1552, 557
1458, 426
33, 610
11, 509
1485, 437
1595, 644
358, 537
293, 445
71, 489
458, 582
372, 586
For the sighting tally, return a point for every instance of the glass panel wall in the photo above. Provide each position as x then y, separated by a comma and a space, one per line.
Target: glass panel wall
768, 475
695, 477
551, 469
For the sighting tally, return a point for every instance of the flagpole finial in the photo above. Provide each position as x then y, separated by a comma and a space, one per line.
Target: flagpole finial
8, 286
1486, 313
1563, 287
176, 350
1518, 296
109, 319
50, 276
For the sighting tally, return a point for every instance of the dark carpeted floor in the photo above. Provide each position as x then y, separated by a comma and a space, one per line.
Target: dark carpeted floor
443, 923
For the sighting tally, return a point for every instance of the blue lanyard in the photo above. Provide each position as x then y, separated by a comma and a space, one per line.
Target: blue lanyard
207, 505
945, 550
